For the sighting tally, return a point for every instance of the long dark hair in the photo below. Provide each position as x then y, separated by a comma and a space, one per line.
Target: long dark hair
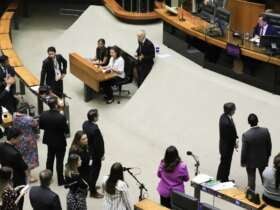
76, 143
171, 159
5, 178
117, 50
277, 173
71, 167
116, 174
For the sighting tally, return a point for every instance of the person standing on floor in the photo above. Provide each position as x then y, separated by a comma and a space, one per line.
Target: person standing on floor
11, 157
42, 197
145, 54
53, 71
96, 149
228, 141
172, 173
79, 146
116, 190
28, 144
55, 129
256, 150
78, 188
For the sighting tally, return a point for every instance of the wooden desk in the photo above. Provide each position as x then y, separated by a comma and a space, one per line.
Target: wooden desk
234, 195
7, 15
13, 57
5, 26
90, 74
27, 76
193, 23
5, 42
147, 204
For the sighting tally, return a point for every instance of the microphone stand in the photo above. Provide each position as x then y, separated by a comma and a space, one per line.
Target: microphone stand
141, 185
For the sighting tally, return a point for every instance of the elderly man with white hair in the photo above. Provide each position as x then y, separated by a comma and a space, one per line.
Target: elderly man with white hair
145, 54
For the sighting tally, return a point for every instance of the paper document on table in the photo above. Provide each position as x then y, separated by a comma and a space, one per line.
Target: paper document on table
35, 88
201, 178
163, 55
223, 186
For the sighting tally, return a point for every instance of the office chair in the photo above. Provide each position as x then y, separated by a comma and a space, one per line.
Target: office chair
128, 68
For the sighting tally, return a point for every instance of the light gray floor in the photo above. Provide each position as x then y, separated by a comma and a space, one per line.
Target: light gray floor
179, 103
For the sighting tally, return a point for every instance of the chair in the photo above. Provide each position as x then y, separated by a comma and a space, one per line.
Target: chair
207, 12
128, 69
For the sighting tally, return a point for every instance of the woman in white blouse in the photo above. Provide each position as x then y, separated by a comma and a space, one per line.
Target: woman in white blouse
116, 64
115, 190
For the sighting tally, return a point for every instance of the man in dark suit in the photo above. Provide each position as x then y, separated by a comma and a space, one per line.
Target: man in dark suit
256, 150
263, 28
12, 158
7, 91
55, 128
228, 137
53, 71
42, 197
96, 149
145, 54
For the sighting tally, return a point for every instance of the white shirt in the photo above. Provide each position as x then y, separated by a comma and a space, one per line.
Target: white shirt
117, 65
263, 30
118, 201
57, 70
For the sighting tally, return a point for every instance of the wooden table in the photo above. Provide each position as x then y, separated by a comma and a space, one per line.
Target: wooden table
90, 74
5, 42
147, 204
7, 15
234, 195
192, 25
13, 57
5, 26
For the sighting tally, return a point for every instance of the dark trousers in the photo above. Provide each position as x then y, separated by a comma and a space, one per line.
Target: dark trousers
165, 202
251, 172
224, 167
57, 88
58, 154
143, 70
94, 174
107, 87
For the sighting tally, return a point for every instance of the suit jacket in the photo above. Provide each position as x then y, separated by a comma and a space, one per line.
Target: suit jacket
270, 31
42, 198
48, 71
256, 148
7, 98
228, 134
95, 140
148, 50
55, 127
12, 158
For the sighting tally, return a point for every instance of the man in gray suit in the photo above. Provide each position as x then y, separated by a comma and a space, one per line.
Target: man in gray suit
256, 150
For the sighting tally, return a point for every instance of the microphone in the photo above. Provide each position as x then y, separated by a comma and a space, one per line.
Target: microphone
127, 169
189, 153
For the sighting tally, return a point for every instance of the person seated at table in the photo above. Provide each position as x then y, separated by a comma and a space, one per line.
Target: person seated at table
116, 65
271, 183
101, 57
172, 173
219, 3
263, 28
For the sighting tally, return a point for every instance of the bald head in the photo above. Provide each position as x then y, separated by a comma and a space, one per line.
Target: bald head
141, 35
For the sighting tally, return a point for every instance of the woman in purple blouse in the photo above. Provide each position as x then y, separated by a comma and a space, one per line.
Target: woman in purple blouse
172, 173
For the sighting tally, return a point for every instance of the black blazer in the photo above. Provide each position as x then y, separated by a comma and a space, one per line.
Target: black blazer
48, 71
12, 158
42, 198
228, 134
95, 140
55, 126
148, 50
256, 148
